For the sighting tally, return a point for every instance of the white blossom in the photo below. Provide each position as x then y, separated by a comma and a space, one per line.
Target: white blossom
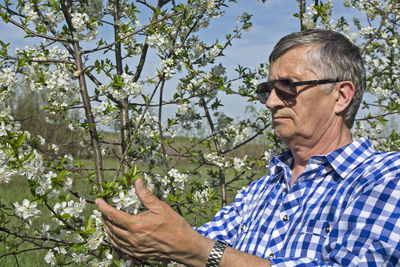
95, 240
239, 163
7, 80
267, 156
183, 108
96, 216
27, 209
123, 200
30, 12
367, 30
157, 40
198, 49
215, 50
192, 84
179, 178
71, 207
50, 258
124, 263
45, 183
202, 195
130, 88
254, 82
168, 72
80, 258
79, 20
45, 230
213, 158
33, 169
60, 250
6, 173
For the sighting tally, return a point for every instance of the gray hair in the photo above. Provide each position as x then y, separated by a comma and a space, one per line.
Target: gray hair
335, 57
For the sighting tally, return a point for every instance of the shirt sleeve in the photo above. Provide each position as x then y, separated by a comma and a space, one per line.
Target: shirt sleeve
368, 233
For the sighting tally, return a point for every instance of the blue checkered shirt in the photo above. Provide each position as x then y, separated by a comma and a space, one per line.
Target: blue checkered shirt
344, 210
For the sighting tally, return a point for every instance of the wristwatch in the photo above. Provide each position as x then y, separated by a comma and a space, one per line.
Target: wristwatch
216, 254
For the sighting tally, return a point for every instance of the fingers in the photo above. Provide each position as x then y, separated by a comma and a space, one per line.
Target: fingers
116, 234
115, 240
148, 199
116, 217
129, 243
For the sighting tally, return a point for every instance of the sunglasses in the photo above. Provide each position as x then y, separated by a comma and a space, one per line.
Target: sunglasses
285, 88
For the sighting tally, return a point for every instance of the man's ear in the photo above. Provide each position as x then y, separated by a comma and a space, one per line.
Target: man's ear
345, 95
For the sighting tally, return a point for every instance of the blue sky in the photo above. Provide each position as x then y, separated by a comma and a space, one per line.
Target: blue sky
271, 21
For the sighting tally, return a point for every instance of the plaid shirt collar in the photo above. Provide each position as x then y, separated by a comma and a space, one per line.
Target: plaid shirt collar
343, 160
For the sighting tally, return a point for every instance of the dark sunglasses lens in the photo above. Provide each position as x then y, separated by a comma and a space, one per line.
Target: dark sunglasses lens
263, 90
285, 89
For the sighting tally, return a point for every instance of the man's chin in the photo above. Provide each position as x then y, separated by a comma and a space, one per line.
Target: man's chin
282, 132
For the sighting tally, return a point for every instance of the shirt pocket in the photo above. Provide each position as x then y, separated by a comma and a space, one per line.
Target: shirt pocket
310, 240
250, 234
318, 227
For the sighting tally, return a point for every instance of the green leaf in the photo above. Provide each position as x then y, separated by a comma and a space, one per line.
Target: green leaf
78, 246
4, 16
89, 222
28, 157
21, 139
66, 216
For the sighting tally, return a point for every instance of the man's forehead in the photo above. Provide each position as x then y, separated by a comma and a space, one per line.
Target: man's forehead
293, 64
303, 49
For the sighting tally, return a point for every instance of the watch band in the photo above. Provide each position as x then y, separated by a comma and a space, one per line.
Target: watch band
216, 254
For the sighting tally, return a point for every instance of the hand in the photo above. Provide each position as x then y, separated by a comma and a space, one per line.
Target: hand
158, 233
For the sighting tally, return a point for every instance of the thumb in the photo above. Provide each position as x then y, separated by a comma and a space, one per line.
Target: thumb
149, 200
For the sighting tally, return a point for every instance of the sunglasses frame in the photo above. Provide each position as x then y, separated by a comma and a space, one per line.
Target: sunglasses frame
264, 89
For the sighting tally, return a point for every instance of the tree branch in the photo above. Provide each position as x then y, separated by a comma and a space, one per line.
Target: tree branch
33, 237
43, 61
94, 137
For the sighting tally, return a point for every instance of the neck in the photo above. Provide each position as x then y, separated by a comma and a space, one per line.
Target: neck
303, 150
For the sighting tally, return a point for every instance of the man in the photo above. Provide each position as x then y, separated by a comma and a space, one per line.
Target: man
328, 200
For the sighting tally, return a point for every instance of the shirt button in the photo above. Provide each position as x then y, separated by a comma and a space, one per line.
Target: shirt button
242, 228
272, 255
328, 229
285, 218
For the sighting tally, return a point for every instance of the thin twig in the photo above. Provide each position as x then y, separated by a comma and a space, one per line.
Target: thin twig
379, 116
43, 238
44, 61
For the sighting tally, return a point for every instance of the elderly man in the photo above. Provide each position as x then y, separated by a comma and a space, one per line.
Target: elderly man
328, 200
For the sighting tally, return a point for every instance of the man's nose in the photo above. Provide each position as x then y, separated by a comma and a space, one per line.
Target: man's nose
273, 101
